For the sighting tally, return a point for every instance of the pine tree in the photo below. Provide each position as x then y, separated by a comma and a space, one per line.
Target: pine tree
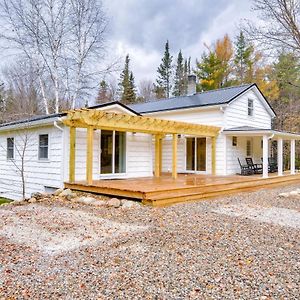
179, 80
103, 93
243, 59
164, 71
126, 85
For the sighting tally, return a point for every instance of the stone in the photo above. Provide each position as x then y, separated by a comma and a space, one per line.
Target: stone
114, 202
129, 204
71, 196
58, 192
98, 202
284, 195
32, 200
294, 193
86, 200
37, 195
65, 193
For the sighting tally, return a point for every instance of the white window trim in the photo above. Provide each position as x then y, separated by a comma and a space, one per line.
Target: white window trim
113, 174
38, 147
14, 149
251, 148
195, 162
250, 107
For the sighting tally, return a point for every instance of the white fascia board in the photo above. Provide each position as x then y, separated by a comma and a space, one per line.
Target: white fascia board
30, 124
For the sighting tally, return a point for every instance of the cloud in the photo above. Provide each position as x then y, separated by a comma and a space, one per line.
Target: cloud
141, 27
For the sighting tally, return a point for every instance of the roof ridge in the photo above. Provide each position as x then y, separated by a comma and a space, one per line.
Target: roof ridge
199, 93
226, 88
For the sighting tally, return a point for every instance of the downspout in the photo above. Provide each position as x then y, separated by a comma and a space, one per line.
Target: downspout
62, 171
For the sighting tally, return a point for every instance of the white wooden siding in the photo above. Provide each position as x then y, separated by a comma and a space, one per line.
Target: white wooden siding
138, 155
38, 173
236, 114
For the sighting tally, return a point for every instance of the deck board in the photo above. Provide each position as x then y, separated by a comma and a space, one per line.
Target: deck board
165, 190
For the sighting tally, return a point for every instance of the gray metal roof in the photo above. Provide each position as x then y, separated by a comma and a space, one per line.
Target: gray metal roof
214, 97
245, 128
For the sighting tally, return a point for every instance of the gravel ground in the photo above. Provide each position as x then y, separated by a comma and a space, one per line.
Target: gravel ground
244, 246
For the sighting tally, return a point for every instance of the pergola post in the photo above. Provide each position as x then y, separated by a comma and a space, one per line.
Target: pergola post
293, 156
89, 155
280, 156
213, 155
265, 156
157, 156
72, 154
174, 161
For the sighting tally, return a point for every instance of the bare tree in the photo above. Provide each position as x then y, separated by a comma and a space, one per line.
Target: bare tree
146, 90
22, 142
63, 39
278, 24
21, 94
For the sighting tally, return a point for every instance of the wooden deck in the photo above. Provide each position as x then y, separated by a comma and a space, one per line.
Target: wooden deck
165, 190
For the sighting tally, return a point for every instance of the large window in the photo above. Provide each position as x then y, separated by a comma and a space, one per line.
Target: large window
43, 146
113, 152
10, 148
250, 107
196, 154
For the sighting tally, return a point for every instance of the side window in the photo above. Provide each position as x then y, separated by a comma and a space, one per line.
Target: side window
250, 107
10, 148
234, 141
249, 148
43, 146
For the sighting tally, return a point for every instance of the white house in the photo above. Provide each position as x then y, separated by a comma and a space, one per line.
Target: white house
201, 133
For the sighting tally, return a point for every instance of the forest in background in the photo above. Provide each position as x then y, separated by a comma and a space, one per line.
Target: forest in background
51, 71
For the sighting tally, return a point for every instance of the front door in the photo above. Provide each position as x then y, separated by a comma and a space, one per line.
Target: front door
196, 154
113, 152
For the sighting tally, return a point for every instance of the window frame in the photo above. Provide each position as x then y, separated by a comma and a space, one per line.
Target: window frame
234, 141
39, 147
250, 107
249, 142
13, 148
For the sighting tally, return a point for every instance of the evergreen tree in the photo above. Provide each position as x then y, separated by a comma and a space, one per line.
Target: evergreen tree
180, 80
163, 82
103, 93
243, 59
126, 85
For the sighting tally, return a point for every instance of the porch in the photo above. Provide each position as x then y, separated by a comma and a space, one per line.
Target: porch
164, 190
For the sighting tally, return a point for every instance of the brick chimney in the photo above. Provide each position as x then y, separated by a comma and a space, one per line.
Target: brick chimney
191, 85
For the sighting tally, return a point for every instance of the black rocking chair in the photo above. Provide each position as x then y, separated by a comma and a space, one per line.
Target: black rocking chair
245, 170
257, 168
273, 167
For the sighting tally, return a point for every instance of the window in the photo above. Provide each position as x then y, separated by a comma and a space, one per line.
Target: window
250, 107
234, 141
249, 148
43, 146
10, 148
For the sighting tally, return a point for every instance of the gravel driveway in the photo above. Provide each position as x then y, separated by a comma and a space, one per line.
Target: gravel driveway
245, 246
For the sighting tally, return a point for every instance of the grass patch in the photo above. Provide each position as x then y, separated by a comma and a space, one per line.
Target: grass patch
4, 200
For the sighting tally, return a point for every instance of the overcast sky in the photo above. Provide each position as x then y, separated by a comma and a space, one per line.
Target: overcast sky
141, 28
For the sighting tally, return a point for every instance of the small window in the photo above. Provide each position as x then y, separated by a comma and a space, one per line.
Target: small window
250, 107
234, 141
10, 148
43, 146
249, 148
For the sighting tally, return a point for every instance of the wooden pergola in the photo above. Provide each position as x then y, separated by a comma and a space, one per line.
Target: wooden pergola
92, 119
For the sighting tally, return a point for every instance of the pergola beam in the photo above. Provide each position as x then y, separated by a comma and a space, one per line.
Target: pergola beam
121, 122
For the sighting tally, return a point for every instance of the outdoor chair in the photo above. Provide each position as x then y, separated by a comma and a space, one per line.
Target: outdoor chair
273, 167
257, 168
245, 170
